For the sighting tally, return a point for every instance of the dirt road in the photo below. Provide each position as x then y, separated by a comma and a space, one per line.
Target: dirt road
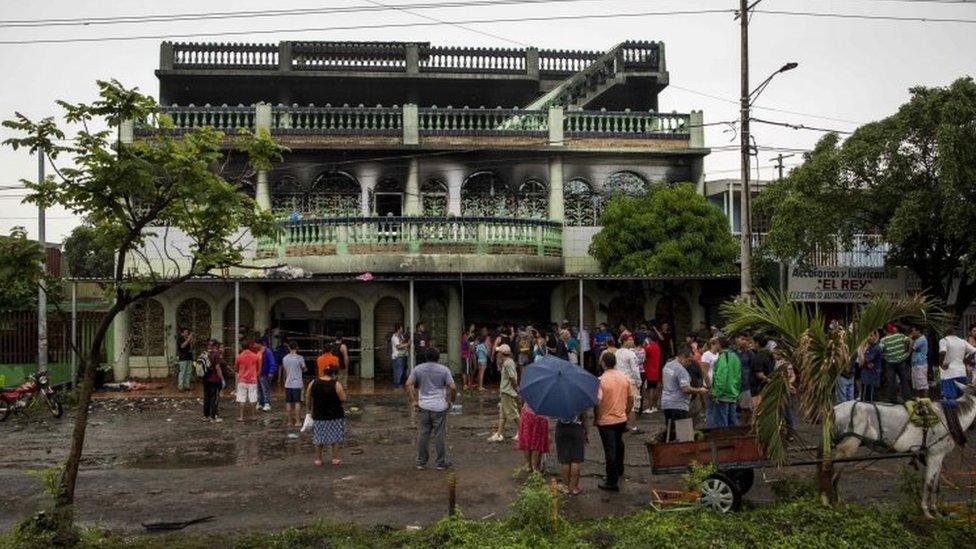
155, 459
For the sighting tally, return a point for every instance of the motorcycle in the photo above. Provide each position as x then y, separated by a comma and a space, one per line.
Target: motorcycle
20, 397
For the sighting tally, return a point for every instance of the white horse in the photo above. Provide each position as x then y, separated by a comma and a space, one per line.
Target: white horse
888, 425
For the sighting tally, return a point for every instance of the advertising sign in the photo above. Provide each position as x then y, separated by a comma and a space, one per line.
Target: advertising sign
845, 284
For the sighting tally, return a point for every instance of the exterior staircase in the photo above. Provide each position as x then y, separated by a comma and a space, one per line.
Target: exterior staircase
613, 67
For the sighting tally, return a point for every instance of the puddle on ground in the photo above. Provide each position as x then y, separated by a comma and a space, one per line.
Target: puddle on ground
211, 453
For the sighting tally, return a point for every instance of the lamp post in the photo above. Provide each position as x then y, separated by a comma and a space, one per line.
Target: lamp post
745, 211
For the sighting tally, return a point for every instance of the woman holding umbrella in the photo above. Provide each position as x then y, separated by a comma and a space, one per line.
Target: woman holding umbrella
552, 387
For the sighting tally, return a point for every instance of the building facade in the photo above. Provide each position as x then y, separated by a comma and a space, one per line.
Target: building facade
448, 185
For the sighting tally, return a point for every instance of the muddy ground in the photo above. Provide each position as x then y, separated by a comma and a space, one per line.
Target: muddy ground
154, 459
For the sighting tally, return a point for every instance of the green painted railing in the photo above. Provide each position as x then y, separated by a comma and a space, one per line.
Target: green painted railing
465, 121
440, 235
336, 120
626, 124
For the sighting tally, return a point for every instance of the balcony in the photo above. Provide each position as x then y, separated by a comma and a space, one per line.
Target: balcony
865, 251
416, 244
447, 127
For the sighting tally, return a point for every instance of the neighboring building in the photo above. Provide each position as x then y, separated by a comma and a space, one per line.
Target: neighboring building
468, 183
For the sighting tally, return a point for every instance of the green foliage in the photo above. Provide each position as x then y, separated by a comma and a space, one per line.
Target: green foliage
86, 256
49, 478
793, 487
20, 272
533, 507
670, 231
819, 355
908, 177
697, 474
801, 522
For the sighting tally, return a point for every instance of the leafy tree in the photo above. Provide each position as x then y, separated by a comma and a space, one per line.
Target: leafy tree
85, 255
20, 272
133, 195
670, 231
818, 355
910, 178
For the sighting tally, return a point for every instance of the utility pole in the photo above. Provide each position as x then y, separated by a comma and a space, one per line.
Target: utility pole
779, 163
745, 221
41, 290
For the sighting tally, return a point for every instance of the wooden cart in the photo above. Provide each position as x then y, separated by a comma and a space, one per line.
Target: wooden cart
735, 453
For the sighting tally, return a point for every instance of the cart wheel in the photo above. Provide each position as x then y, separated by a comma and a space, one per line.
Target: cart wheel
743, 479
720, 493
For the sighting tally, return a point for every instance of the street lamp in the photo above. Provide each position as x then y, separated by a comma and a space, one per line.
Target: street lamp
745, 211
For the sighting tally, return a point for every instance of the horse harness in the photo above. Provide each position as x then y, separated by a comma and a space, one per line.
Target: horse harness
952, 425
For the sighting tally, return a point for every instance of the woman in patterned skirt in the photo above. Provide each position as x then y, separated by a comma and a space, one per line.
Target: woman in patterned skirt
533, 437
325, 397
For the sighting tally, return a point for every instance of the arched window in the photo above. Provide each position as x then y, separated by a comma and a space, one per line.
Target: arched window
483, 194
433, 197
148, 328
331, 193
533, 200
628, 183
583, 206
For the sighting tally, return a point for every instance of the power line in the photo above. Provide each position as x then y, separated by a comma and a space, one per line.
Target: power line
771, 109
168, 18
369, 26
868, 17
799, 126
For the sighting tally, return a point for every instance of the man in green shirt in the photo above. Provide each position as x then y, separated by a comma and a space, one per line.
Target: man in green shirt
508, 392
895, 347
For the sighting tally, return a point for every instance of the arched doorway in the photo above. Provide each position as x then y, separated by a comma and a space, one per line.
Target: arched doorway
194, 314
433, 197
583, 206
674, 309
340, 317
388, 312
296, 323
628, 311
589, 312
533, 200
627, 183
333, 193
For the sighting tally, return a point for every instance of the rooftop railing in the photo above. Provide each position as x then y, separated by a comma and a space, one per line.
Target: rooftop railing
429, 121
864, 250
407, 57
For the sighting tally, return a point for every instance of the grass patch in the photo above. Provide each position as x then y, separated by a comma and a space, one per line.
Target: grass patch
801, 522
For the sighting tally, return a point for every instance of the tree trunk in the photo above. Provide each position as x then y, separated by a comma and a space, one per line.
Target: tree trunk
825, 471
66, 495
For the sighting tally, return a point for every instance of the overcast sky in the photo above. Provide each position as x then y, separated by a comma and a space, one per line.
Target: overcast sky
851, 70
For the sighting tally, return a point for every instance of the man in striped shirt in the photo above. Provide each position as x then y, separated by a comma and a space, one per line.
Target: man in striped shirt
896, 347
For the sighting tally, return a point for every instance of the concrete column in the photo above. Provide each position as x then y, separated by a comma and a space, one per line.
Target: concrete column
556, 207
455, 322
171, 327
262, 191
367, 355
126, 131
556, 126
411, 202
412, 54
284, 56
455, 178
262, 121
166, 56
120, 346
367, 182
696, 121
532, 62
557, 303
411, 124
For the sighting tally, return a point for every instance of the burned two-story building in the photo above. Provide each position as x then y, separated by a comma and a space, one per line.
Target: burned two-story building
449, 185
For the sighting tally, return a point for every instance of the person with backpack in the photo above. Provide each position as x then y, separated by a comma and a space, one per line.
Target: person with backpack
726, 385
212, 365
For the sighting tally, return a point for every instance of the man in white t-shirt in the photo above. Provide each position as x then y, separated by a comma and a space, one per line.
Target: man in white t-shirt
707, 361
953, 351
627, 364
399, 345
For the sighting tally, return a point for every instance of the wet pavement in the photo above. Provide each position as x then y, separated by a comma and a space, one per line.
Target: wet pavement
150, 459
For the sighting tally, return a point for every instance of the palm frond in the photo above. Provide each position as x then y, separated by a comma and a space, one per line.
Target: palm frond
919, 309
768, 422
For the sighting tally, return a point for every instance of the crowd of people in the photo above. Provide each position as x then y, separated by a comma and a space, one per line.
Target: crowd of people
709, 379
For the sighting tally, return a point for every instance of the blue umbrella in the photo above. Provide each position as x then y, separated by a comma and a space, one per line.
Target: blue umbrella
554, 387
